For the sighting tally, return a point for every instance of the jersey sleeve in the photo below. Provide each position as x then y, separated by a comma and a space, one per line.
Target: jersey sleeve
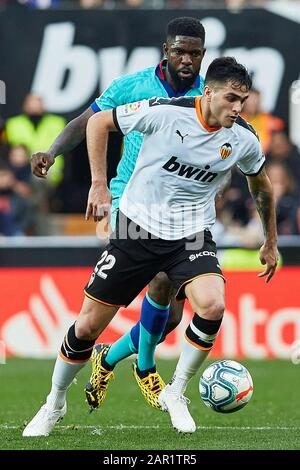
112, 97
137, 116
254, 160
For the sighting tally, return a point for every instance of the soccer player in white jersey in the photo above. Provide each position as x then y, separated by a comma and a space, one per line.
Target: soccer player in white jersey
176, 75
166, 212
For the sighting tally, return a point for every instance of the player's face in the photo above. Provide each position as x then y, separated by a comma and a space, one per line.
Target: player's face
226, 103
184, 55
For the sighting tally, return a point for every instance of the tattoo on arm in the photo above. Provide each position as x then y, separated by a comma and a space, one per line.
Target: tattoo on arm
265, 206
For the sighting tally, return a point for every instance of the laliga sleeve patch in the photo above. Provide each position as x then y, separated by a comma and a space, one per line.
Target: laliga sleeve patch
132, 107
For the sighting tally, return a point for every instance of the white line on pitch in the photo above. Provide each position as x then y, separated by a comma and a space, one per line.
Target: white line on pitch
121, 427
250, 428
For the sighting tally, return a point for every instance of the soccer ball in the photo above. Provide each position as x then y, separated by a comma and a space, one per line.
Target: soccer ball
226, 386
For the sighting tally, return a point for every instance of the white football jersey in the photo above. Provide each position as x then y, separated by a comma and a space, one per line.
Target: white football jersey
182, 164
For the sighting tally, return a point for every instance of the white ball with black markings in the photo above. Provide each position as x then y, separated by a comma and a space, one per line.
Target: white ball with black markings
226, 386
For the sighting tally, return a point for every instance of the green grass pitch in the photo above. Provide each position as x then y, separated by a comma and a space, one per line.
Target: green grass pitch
270, 421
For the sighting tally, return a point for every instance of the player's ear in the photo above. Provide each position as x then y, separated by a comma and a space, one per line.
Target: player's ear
165, 49
207, 92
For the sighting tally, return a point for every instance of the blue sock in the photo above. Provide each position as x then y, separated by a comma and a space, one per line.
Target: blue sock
135, 336
122, 348
152, 324
129, 343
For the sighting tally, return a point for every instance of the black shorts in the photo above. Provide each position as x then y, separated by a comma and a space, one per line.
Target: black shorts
127, 265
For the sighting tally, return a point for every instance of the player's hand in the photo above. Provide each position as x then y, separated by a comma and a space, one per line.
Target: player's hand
268, 255
40, 164
99, 202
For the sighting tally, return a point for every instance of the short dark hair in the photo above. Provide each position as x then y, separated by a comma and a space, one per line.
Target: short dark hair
227, 69
186, 26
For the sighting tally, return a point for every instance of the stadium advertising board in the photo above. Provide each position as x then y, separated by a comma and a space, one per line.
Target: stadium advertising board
261, 320
69, 56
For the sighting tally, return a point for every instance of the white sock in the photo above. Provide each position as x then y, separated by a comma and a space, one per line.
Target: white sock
188, 364
63, 375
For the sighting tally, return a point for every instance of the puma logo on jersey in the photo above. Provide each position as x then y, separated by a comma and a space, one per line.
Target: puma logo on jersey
180, 135
189, 172
156, 101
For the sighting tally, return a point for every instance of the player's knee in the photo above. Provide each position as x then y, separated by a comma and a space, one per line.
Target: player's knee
172, 323
160, 289
86, 329
212, 310
175, 316
215, 310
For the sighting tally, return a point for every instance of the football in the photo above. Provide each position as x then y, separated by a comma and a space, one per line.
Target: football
226, 386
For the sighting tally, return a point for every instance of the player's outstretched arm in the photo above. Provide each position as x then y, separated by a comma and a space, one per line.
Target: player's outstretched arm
99, 199
69, 138
262, 193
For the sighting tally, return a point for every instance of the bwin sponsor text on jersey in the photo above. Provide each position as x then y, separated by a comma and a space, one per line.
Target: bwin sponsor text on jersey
189, 172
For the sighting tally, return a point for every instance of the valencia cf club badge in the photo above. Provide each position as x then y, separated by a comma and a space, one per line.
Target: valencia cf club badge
225, 151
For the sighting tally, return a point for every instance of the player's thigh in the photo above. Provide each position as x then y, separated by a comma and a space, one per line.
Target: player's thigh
124, 268
187, 265
206, 296
93, 319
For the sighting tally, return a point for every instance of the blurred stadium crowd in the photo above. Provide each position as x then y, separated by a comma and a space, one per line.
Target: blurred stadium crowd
28, 205
110, 4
